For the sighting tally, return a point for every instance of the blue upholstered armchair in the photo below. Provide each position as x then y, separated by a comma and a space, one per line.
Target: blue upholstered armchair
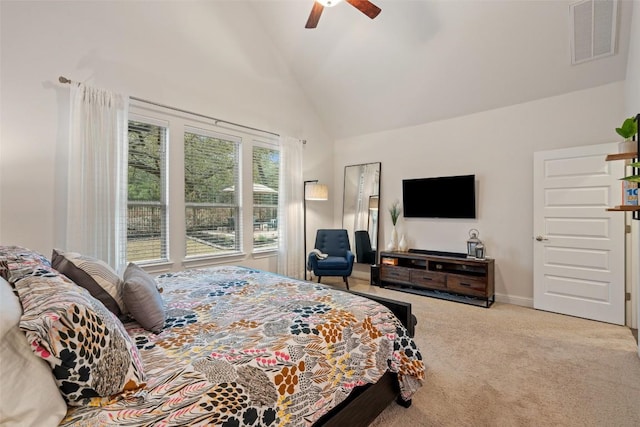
339, 260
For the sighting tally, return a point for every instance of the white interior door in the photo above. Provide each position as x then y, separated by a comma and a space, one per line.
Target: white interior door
579, 245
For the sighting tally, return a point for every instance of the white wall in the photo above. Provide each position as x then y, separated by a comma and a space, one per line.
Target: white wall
207, 57
497, 146
632, 84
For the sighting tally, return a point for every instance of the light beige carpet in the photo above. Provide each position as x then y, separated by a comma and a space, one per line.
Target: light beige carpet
515, 366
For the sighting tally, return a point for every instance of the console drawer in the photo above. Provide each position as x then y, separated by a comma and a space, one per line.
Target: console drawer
467, 285
392, 274
428, 279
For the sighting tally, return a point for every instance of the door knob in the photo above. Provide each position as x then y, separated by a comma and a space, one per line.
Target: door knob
540, 238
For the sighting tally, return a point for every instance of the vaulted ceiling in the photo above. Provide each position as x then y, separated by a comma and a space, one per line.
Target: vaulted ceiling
426, 60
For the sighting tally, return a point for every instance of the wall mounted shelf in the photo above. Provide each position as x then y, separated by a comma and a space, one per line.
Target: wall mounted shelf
621, 156
633, 155
625, 208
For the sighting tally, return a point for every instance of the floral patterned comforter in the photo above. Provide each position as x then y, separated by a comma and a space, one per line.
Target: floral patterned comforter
246, 347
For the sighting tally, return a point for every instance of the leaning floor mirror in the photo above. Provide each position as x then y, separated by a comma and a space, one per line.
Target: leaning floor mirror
360, 209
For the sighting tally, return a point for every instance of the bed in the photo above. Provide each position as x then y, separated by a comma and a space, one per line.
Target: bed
238, 347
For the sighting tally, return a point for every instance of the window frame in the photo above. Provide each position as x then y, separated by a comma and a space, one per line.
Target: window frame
178, 122
269, 144
164, 184
237, 205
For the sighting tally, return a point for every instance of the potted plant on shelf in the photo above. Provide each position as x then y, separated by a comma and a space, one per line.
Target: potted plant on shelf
633, 178
628, 129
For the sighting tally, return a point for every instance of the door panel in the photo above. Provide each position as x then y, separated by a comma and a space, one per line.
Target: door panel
571, 197
574, 227
587, 166
578, 245
577, 258
590, 290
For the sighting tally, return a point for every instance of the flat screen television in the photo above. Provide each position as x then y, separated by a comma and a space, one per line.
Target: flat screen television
439, 197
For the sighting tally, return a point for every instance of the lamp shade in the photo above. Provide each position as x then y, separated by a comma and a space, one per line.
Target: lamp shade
315, 191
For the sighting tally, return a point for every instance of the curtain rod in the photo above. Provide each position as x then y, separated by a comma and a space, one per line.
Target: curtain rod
63, 79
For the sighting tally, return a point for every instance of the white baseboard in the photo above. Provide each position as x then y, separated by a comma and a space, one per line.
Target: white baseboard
509, 299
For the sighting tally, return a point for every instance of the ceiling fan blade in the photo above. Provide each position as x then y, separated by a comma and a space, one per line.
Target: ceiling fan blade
366, 7
314, 16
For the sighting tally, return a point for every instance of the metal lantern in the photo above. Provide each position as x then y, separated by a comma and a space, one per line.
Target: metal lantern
473, 242
480, 251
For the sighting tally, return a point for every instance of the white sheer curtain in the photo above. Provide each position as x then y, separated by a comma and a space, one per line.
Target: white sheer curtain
291, 257
97, 175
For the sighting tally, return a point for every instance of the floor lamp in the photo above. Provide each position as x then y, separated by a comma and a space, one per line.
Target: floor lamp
312, 191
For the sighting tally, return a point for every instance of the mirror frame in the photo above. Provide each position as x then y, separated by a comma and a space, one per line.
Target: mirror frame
361, 191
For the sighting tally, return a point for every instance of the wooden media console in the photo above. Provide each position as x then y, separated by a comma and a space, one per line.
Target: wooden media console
439, 274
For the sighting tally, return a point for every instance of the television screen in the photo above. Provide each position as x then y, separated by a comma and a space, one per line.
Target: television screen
441, 197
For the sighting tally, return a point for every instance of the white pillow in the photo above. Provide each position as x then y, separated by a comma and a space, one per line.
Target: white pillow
28, 393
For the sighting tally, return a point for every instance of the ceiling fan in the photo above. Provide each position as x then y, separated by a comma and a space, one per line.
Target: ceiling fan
364, 6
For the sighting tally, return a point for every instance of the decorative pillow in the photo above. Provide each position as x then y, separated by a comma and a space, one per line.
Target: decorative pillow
30, 396
18, 258
94, 275
86, 346
142, 299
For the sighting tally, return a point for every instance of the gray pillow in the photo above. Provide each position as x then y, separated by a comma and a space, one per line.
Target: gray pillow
94, 275
142, 299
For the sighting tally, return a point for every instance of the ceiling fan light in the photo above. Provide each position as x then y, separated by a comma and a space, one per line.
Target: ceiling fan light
329, 3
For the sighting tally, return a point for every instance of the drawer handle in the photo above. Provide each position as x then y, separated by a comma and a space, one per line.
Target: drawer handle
426, 278
465, 284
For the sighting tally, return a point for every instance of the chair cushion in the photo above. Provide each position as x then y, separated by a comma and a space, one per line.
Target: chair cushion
333, 242
333, 263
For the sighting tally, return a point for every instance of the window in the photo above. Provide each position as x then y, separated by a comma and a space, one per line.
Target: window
211, 199
190, 189
266, 171
147, 207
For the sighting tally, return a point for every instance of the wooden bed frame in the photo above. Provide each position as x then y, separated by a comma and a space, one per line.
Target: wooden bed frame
365, 403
